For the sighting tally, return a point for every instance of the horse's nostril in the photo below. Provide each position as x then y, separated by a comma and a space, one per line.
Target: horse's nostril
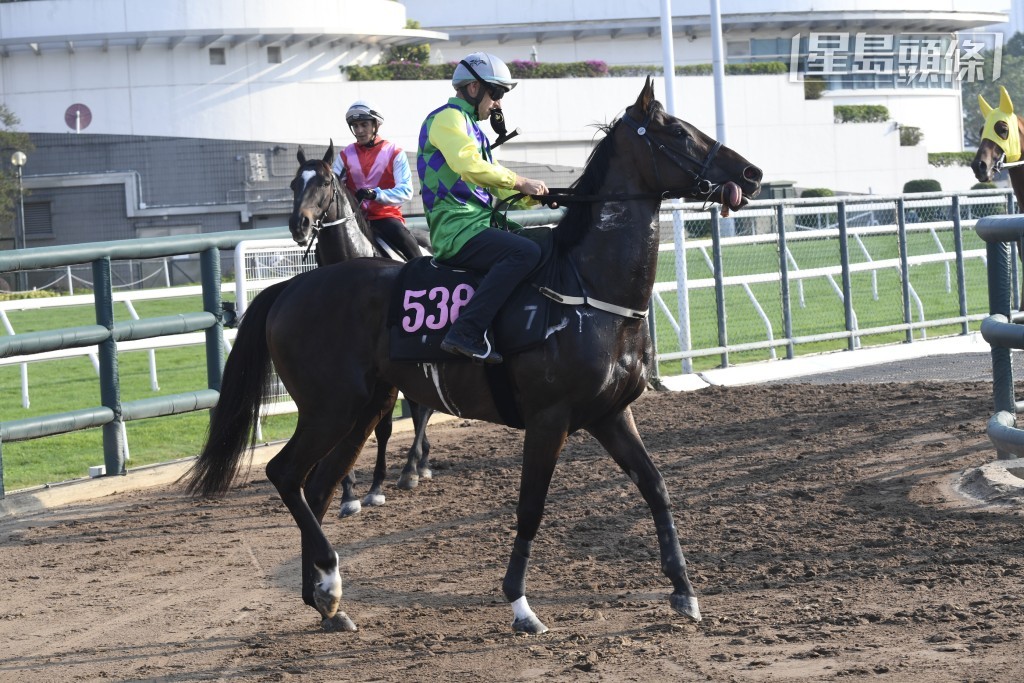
752, 173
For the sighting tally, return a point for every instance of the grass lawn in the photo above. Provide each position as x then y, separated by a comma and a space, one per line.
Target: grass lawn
817, 308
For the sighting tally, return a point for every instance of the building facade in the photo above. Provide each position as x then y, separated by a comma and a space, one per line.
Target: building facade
233, 87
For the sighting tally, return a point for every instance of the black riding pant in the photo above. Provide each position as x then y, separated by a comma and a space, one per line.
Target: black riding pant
398, 237
507, 259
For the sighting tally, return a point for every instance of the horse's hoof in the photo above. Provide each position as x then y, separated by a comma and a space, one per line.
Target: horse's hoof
686, 605
349, 508
426, 474
408, 481
339, 622
530, 624
373, 499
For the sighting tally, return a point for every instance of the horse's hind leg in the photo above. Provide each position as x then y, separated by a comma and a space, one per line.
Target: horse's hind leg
619, 436
288, 470
417, 462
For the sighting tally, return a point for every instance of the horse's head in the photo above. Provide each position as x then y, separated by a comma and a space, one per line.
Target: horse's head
316, 192
681, 161
1000, 137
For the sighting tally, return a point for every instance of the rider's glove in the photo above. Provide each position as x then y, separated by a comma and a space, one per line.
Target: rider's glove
366, 193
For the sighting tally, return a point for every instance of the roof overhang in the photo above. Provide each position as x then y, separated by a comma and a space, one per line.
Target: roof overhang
785, 23
182, 39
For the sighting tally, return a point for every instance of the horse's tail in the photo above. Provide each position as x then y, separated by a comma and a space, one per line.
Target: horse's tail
234, 419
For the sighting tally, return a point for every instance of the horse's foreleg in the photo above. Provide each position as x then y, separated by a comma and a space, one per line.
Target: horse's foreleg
417, 462
350, 503
543, 443
619, 436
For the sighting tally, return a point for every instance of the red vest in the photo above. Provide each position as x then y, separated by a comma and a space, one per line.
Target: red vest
372, 167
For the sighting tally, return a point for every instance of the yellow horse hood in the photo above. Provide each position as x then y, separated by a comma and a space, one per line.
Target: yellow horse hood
993, 115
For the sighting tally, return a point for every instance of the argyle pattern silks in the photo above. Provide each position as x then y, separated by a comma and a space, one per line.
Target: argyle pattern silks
440, 183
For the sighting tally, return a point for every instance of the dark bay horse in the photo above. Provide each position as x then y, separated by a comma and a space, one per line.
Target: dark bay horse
1000, 146
325, 212
326, 332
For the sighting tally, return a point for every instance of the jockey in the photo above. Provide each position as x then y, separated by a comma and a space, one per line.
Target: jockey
377, 172
459, 179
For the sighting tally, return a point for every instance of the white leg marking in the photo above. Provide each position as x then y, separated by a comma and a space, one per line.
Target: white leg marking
330, 581
521, 610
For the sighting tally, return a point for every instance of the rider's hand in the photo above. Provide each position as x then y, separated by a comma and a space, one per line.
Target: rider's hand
530, 186
366, 193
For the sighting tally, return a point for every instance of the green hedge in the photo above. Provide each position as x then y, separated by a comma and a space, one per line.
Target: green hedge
860, 113
983, 186
922, 185
910, 136
412, 71
950, 158
813, 87
817, 192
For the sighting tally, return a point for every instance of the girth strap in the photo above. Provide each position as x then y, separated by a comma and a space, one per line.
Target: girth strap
593, 303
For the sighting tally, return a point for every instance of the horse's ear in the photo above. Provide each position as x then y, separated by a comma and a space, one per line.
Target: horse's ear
301, 156
1005, 104
646, 96
329, 154
986, 108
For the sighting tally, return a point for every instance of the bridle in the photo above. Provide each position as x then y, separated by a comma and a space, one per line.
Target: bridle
704, 187
318, 224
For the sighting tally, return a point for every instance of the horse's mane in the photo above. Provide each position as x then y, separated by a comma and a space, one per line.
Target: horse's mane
576, 220
361, 219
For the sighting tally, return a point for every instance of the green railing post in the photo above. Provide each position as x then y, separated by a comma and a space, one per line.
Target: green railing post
901, 225
844, 261
209, 262
110, 390
961, 279
787, 310
719, 269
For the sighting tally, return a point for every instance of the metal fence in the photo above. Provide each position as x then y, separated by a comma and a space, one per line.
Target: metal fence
780, 278
798, 276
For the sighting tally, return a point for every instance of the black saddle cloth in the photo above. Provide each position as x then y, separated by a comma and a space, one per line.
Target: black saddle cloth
429, 295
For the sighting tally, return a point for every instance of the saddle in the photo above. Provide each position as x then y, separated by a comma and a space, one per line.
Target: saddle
430, 295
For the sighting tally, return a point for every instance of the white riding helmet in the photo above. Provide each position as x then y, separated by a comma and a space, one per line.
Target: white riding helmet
488, 67
362, 111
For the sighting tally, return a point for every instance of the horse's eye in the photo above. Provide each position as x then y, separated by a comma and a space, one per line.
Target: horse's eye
1002, 129
678, 131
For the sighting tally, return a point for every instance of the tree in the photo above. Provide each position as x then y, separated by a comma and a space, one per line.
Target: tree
419, 54
10, 141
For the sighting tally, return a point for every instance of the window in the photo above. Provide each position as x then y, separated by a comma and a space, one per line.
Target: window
38, 221
218, 57
274, 54
737, 50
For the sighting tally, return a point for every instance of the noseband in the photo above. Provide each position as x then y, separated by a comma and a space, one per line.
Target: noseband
704, 187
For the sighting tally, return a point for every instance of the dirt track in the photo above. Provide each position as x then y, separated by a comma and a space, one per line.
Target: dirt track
821, 530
